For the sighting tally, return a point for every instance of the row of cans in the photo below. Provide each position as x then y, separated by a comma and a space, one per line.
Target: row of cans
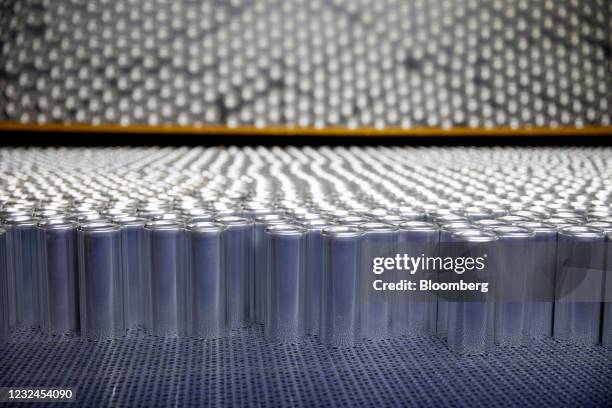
197, 242
301, 277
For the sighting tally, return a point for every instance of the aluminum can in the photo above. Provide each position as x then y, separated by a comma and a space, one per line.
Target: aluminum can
378, 240
285, 319
5, 328
206, 288
314, 273
606, 332
340, 290
417, 315
543, 278
58, 273
257, 284
446, 232
514, 281
238, 242
23, 279
578, 284
132, 255
471, 317
101, 285
165, 278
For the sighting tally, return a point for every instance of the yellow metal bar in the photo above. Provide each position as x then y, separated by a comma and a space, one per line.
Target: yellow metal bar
214, 130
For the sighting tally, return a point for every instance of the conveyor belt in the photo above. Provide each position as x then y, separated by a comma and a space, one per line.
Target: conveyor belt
245, 370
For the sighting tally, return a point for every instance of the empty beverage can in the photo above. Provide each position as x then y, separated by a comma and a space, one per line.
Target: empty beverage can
257, 285
314, 273
340, 291
489, 224
378, 240
23, 280
578, 284
417, 315
286, 280
606, 332
4, 301
543, 278
165, 278
238, 242
206, 297
58, 272
514, 281
101, 285
132, 255
471, 315
446, 232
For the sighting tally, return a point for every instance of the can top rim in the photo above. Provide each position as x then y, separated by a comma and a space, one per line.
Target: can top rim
233, 221
163, 225
260, 210
57, 224
418, 226
475, 235
22, 220
270, 217
524, 213
352, 219
395, 217
86, 217
129, 220
285, 229
602, 225
308, 216
581, 231
319, 223
450, 217
342, 231
512, 217
409, 212
538, 226
559, 220
206, 226
488, 222
513, 231
98, 226
456, 226
376, 227
276, 222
